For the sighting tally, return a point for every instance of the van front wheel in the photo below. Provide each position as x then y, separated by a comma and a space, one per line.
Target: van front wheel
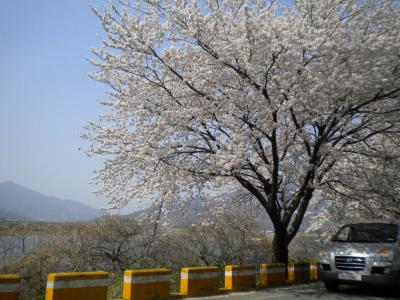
331, 286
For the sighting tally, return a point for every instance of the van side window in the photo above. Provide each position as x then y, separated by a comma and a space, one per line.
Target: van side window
343, 235
367, 233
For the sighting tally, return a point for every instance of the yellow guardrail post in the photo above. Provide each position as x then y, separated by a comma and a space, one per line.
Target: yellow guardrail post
299, 272
240, 277
314, 271
199, 281
290, 273
147, 284
272, 274
9, 286
77, 285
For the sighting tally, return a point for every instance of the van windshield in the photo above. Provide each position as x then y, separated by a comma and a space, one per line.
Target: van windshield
367, 233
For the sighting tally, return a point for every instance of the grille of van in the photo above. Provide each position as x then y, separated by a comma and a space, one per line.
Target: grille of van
350, 263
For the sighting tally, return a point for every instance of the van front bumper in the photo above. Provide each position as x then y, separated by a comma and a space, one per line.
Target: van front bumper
390, 279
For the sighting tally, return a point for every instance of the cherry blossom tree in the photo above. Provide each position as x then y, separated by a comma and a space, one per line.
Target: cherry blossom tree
228, 93
368, 185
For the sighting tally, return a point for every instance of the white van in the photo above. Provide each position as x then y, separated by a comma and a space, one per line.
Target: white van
362, 253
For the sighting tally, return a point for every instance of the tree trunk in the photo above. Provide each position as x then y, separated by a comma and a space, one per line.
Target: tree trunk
280, 249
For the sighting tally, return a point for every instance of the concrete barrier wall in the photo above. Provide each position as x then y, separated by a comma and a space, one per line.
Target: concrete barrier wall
199, 281
9, 286
272, 274
77, 285
239, 278
147, 284
299, 272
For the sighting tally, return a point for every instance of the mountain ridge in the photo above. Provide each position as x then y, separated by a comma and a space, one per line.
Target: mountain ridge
21, 203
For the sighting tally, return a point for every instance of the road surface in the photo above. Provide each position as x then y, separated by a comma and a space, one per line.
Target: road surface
307, 292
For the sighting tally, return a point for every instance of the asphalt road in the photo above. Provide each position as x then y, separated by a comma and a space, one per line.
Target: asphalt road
307, 292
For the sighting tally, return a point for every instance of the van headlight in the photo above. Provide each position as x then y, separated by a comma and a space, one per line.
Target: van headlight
323, 254
384, 255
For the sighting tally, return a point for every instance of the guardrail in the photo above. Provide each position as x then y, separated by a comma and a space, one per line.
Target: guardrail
9, 286
149, 284
272, 274
300, 273
314, 271
199, 281
239, 278
77, 285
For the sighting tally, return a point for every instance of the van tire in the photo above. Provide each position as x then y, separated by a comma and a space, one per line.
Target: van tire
396, 288
331, 286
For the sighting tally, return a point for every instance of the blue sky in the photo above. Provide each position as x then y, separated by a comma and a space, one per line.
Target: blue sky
46, 96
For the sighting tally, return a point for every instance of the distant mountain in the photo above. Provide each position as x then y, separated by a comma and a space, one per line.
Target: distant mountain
137, 214
197, 211
20, 203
